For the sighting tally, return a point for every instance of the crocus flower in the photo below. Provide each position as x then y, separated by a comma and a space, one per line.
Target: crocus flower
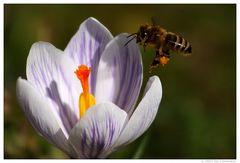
82, 99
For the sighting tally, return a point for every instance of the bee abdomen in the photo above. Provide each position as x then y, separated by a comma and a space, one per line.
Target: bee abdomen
177, 43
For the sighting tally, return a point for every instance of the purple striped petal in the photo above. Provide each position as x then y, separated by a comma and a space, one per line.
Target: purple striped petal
87, 45
52, 74
94, 135
36, 108
144, 114
120, 74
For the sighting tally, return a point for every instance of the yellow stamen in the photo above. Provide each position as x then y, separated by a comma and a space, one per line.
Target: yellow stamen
86, 99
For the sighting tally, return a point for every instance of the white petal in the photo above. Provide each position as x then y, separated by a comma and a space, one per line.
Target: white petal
36, 108
119, 77
87, 45
94, 135
52, 74
144, 114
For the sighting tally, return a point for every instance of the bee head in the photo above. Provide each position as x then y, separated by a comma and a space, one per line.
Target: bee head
143, 33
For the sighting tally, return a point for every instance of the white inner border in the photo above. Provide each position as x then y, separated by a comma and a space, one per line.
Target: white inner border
114, 2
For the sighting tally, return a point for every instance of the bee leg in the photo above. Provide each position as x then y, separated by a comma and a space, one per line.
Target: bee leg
166, 53
144, 47
155, 62
164, 57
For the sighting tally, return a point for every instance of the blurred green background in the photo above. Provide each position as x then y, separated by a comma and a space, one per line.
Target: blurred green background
197, 115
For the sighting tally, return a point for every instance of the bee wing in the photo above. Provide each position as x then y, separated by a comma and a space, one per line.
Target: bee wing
154, 22
185, 54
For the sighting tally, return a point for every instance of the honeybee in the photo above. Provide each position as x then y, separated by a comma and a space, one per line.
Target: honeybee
154, 36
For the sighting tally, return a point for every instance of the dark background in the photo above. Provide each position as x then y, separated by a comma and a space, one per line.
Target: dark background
197, 114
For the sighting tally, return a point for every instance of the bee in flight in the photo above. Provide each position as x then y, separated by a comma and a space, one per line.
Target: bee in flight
154, 36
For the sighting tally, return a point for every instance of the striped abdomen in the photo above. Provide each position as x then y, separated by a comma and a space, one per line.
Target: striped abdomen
177, 43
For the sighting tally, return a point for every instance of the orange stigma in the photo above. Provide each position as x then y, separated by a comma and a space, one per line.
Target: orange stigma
86, 99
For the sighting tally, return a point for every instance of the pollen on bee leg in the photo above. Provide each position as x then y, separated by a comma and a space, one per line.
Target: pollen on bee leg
86, 99
163, 60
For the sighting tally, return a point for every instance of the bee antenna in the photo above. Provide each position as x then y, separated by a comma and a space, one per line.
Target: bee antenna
129, 41
131, 35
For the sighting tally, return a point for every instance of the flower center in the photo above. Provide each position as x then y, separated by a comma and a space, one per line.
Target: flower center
86, 99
